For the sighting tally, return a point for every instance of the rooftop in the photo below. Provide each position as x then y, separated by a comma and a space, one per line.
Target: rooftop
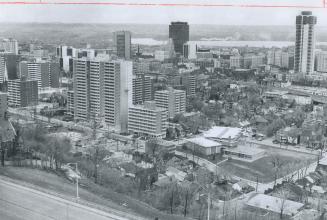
274, 204
247, 150
223, 132
204, 142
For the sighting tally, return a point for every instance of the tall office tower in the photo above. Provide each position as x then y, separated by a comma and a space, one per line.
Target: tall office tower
179, 33
305, 42
45, 72
171, 99
142, 88
122, 43
3, 105
321, 61
22, 93
147, 120
118, 91
9, 45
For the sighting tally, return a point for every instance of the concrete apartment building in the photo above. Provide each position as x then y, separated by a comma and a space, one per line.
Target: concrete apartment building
321, 61
3, 69
171, 99
103, 88
122, 43
142, 89
45, 72
9, 45
305, 43
148, 120
22, 93
70, 103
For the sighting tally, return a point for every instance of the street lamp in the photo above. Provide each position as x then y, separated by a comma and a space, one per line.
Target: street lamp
77, 195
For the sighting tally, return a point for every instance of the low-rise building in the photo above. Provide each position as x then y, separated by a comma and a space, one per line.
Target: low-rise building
147, 120
203, 146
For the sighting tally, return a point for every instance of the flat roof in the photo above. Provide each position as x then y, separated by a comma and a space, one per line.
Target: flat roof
223, 132
274, 204
245, 149
203, 142
323, 161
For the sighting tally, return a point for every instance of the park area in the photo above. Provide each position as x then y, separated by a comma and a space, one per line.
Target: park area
277, 161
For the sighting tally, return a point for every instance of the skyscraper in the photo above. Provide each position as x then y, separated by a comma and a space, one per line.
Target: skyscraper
122, 43
305, 42
103, 88
179, 33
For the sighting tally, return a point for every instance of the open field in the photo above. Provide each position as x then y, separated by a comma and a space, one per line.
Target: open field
263, 168
90, 192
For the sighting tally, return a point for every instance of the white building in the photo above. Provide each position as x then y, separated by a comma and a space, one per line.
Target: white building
9, 45
148, 120
103, 88
321, 61
171, 99
189, 50
305, 43
70, 103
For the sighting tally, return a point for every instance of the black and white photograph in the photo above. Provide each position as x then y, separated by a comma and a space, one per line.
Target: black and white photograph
163, 109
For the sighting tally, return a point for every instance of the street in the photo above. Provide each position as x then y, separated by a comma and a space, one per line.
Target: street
20, 203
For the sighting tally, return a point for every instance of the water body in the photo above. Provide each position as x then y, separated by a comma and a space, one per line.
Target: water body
223, 43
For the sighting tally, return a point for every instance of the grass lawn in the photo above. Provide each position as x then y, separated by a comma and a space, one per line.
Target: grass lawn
90, 192
263, 168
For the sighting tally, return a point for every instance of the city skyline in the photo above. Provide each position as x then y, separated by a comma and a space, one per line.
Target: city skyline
159, 15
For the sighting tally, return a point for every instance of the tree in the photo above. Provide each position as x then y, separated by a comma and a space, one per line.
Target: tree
277, 164
97, 154
187, 193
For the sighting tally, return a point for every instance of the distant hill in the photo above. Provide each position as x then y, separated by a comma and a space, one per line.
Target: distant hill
100, 34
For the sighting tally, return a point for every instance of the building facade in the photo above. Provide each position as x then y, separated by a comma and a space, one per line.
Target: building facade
305, 42
148, 120
321, 61
171, 99
103, 88
122, 43
46, 73
142, 88
9, 45
22, 93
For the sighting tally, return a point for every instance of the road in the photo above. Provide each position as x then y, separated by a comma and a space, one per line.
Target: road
20, 203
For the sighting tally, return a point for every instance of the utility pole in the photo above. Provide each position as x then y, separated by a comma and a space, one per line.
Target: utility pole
208, 203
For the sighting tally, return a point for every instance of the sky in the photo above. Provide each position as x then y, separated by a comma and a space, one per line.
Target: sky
233, 14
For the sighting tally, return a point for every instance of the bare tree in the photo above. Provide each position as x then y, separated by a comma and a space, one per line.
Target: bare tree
277, 164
